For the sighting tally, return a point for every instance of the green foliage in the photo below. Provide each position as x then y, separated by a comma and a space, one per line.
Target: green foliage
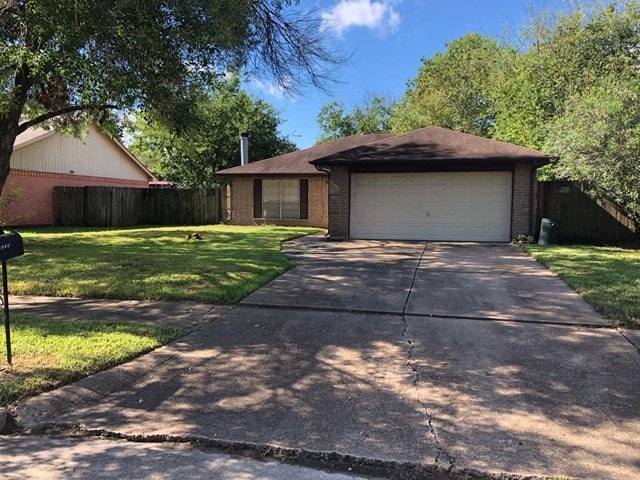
567, 58
455, 89
62, 61
597, 141
151, 263
50, 353
189, 150
572, 91
372, 116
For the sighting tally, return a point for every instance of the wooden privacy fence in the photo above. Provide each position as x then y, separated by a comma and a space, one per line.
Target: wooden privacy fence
122, 207
579, 218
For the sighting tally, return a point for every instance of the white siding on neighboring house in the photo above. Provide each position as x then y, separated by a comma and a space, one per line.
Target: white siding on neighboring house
94, 155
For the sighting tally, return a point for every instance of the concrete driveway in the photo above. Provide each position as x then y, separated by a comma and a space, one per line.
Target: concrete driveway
452, 355
458, 280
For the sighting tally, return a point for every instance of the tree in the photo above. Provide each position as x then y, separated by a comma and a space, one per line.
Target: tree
575, 95
373, 115
191, 152
63, 61
571, 89
568, 55
597, 141
455, 89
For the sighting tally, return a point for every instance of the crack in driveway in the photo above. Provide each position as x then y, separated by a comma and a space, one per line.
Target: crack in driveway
442, 451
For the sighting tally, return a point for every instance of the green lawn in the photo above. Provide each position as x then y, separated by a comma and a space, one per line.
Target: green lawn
51, 353
607, 277
137, 263
154, 263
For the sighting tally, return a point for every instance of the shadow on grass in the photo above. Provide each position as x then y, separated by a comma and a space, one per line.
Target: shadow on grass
50, 353
152, 264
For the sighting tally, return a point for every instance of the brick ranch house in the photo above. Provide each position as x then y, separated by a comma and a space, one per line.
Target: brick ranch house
43, 159
430, 184
287, 189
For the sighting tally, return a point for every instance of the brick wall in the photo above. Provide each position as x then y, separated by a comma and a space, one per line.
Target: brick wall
240, 204
29, 194
339, 193
523, 201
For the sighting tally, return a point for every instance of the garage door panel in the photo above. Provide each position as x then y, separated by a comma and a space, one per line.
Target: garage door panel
456, 206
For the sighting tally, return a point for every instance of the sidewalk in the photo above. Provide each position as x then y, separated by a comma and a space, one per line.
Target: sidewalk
186, 315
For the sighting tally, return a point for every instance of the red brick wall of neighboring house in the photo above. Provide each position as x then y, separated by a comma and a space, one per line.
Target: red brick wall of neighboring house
240, 203
29, 194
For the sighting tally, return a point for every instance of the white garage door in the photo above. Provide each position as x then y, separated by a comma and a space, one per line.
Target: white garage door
458, 206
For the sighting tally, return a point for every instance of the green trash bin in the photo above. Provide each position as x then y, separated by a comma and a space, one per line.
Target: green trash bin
547, 232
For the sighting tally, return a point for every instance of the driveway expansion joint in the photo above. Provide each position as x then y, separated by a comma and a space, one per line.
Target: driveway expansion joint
621, 332
413, 280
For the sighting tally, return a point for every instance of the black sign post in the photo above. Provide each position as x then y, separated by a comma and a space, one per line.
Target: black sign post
10, 246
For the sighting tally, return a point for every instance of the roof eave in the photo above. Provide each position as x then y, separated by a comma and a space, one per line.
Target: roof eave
538, 160
270, 174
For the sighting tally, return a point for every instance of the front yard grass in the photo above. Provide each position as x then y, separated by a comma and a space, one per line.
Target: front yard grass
50, 353
607, 277
154, 263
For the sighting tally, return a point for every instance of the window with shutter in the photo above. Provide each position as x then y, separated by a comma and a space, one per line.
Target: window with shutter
281, 198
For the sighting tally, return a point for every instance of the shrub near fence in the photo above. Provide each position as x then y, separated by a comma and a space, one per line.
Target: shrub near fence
123, 207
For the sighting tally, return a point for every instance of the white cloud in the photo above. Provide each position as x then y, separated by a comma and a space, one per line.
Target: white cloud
279, 92
361, 13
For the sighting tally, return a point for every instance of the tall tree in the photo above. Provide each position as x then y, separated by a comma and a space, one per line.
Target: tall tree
568, 56
455, 89
191, 152
577, 97
571, 89
61, 61
597, 141
373, 115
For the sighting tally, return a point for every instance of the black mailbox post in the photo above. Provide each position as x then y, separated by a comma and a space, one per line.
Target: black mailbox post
11, 246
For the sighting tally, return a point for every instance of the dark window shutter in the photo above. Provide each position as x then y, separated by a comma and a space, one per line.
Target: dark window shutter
257, 198
304, 199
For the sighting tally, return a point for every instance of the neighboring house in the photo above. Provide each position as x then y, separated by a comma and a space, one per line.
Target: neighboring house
285, 190
430, 184
43, 159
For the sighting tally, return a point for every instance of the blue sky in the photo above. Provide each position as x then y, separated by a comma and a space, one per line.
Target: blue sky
386, 40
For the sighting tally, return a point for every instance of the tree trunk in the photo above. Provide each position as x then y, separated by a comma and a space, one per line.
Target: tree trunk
10, 121
8, 134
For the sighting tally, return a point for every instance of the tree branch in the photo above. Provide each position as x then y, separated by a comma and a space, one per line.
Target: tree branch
49, 115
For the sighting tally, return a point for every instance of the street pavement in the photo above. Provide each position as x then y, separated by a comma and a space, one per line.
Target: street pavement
455, 356
40, 457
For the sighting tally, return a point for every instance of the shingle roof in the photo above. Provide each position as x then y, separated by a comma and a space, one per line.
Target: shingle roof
31, 135
433, 145
297, 163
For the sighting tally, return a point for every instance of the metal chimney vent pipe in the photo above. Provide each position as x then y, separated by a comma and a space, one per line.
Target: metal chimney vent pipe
244, 148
